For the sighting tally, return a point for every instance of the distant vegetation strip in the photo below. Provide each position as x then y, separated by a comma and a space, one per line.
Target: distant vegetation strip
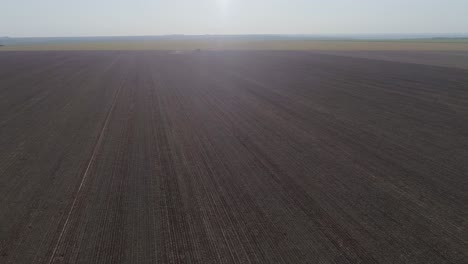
248, 44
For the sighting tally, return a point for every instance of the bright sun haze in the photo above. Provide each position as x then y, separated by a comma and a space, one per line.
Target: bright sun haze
22, 18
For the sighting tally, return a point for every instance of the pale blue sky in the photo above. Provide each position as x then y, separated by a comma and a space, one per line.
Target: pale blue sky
22, 18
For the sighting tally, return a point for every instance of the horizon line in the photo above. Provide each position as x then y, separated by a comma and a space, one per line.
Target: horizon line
457, 34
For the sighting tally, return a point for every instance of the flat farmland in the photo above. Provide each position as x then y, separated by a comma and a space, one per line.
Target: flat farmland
231, 157
239, 43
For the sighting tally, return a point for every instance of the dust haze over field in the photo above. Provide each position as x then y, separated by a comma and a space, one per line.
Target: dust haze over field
214, 156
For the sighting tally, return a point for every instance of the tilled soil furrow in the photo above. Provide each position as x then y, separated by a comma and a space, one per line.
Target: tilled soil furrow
231, 157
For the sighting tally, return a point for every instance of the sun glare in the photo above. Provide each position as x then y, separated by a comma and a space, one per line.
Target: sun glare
223, 6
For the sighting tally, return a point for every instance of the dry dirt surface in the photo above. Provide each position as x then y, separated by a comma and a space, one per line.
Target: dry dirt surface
231, 157
456, 59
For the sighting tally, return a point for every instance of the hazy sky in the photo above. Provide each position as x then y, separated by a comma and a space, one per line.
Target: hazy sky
19, 18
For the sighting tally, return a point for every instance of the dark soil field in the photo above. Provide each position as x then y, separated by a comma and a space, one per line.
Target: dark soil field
231, 157
454, 59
